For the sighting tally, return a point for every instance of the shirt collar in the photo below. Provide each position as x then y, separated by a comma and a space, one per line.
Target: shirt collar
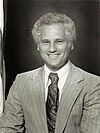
63, 72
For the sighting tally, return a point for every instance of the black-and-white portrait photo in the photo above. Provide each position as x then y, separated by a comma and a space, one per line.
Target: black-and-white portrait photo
51, 67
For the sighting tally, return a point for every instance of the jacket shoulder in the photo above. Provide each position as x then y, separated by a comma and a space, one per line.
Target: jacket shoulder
30, 74
89, 76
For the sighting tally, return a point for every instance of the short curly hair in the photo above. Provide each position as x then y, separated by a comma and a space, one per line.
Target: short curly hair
52, 18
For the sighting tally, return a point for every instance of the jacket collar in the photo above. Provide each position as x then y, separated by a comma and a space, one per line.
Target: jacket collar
72, 89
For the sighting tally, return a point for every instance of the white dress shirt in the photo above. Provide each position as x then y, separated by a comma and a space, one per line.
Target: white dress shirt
62, 74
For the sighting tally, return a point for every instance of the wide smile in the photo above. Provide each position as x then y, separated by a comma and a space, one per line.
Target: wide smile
53, 56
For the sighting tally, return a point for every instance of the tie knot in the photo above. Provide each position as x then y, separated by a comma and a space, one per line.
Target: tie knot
54, 78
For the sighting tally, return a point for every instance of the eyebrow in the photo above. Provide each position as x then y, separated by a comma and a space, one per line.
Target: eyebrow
45, 40
54, 39
59, 39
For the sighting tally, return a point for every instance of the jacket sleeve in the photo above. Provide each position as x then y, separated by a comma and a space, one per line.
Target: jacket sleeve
90, 122
12, 121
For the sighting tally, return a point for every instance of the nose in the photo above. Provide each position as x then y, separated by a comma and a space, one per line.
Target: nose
52, 47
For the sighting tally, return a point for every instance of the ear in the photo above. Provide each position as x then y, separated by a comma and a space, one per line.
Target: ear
38, 47
71, 45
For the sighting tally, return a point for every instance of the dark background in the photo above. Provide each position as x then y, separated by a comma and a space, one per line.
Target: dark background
20, 50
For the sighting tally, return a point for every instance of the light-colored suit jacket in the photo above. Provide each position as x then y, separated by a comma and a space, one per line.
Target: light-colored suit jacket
78, 112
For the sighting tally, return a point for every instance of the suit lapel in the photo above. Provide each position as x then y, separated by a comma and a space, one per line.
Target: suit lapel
72, 89
37, 96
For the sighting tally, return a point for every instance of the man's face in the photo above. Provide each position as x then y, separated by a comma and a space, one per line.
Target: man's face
54, 46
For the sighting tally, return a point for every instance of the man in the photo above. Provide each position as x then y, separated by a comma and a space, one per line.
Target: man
58, 97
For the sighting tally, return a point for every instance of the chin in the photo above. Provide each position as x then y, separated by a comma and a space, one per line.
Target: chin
54, 67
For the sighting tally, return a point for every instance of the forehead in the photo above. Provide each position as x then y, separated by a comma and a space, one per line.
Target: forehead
52, 31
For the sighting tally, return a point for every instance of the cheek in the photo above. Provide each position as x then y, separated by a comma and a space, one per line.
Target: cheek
42, 48
64, 48
65, 52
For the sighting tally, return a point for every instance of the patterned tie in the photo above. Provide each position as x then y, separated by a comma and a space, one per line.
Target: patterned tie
52, 102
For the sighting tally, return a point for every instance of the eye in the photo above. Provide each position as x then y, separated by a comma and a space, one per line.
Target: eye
60, 41
45, 42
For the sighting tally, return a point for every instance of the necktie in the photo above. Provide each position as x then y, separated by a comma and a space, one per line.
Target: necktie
52, 102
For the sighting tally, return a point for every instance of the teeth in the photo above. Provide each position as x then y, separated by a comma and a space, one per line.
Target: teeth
53, 56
